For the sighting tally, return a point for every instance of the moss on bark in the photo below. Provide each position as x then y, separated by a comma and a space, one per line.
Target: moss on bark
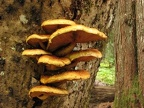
130, 98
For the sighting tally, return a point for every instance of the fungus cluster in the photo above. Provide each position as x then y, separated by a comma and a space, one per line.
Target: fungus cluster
55, 49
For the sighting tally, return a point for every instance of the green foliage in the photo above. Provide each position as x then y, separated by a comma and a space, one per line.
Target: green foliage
106, 72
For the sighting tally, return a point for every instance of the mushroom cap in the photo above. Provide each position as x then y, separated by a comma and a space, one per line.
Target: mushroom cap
84, 55
53, 60
34, 52
35, 39
66, 76
42, 91
74, 33
51, 26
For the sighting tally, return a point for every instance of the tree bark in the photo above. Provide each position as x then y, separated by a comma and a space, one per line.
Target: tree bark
21, 18
128, 48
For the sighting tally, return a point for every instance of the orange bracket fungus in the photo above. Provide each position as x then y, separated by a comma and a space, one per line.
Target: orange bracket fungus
65, 76
42, 91
55, 50
82, 56
53, 62
38, 40
50, 26
35, 52
74, 33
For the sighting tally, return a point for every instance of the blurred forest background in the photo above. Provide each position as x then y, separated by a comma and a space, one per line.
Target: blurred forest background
106, 73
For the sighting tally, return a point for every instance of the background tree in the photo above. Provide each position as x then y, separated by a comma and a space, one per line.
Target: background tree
21, 18
129, 42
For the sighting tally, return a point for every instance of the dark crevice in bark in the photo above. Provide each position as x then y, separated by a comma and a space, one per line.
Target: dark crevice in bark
135, 34
75, 8
37, 102
36, 13
21, 2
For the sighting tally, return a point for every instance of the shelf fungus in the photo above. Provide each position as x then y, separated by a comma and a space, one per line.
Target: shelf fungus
42, 92
74, 33
50, 26
82, 56
65, 76
35, 52
55, 50
53, 62
38, 40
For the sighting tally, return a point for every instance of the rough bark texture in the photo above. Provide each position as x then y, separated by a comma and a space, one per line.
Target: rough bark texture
21, 18
129, 54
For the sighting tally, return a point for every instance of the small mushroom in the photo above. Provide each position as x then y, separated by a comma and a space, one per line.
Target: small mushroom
82, 55
42, 92
35, 40
53, 60
66, 76
35, 52
51, 26
74, 33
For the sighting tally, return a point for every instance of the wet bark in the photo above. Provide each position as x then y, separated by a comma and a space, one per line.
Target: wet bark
21, 18
128, 47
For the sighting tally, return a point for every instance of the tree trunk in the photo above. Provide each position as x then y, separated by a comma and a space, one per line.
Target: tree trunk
129, 41
21, 18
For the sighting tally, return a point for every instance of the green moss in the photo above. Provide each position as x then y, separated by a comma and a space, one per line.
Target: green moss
130, 98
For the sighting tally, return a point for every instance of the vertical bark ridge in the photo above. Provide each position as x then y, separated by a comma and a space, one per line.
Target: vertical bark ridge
135, 33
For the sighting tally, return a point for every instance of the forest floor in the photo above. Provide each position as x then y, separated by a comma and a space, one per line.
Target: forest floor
102, 95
